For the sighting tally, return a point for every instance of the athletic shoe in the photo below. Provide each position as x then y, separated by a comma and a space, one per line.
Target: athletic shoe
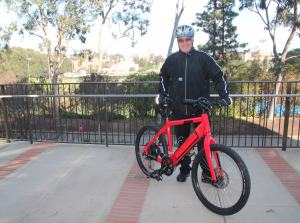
182, 177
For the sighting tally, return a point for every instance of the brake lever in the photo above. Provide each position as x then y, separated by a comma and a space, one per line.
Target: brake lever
167, 100
200, 106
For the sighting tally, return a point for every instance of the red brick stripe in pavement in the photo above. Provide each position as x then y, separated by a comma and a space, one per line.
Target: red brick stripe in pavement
286, 174
129, 203
23, 158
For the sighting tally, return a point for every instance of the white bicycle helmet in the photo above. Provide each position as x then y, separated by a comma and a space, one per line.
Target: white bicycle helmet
183, 31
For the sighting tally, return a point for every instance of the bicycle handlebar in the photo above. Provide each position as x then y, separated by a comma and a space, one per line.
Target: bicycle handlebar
203, 103
190, 101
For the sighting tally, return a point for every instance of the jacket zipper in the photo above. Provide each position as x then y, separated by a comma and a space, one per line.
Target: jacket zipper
185, 83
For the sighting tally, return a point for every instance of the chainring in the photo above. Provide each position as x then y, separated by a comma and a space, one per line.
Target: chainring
168, 166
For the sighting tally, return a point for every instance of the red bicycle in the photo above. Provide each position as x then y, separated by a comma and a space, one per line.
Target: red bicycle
226, 190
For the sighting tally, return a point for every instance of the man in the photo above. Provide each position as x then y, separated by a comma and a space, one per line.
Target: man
186, 74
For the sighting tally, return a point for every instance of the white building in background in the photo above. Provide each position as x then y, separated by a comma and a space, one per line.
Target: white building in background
261, 55
124, 66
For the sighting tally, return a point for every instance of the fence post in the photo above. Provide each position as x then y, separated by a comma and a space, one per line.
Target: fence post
286, 116
106, 127
28, 111
5, 114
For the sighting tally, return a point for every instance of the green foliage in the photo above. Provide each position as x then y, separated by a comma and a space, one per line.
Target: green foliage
159, 59
216, 21
71, 19
146, 65
15, 66
142, 77
125, 16
291, 69
66, 66
71, 115
141, 106
295, 62
286, 15
5, 36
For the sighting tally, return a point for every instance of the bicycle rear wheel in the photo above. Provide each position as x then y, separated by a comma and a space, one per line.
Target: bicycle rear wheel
230, 193
144, 136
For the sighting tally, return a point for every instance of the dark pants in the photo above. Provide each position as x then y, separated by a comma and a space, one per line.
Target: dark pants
184, 131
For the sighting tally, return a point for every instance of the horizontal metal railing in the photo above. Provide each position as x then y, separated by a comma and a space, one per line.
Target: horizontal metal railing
140, 96
116, 118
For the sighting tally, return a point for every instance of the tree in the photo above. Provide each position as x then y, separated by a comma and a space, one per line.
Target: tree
177, 18
286, 15
208, 21
217, 23
68, 18
145, 106
66, 66
14, 64
295, 61
126, 15
228, 36
5, 36
160, 59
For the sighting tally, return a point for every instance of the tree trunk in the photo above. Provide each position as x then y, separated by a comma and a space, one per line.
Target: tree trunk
100, 62
280, 69
173, 36
177, 18
100, 49
223, 33
276, 90
215, 30
54, 84
55, 99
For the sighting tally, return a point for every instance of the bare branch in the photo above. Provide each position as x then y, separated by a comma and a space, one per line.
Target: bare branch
266, 23
288, 42
84, 4
31, 33
177, 18
111, 6
66, 8
120, 37
292, 57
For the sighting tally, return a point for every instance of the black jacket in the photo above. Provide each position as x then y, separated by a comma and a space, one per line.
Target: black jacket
187, 76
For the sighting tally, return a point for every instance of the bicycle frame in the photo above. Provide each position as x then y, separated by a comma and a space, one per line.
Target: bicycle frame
203, 130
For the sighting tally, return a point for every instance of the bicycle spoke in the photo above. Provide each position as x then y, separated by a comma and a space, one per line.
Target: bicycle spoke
229, 187
148, 164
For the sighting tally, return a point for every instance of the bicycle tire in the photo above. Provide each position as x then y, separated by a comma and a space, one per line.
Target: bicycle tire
144, 136
231, 194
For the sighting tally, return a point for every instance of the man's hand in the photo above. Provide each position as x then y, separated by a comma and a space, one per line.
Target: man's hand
161, 99
225, 101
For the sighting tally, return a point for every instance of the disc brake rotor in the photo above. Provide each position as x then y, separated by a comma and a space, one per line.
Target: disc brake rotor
222, 178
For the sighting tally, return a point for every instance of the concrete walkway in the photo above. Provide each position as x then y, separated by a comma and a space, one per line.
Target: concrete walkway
55, 182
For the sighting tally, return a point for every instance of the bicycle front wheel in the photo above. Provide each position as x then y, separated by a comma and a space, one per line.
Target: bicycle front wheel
230, 193
144, 136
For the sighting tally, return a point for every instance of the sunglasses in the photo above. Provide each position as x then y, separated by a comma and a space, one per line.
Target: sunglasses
184, 40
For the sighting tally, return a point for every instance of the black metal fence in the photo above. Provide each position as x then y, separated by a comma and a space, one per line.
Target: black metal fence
113, 112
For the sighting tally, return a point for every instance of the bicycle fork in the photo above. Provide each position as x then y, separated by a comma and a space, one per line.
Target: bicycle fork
208, 140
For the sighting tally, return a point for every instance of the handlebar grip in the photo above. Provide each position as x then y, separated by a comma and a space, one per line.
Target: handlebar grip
168, 100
